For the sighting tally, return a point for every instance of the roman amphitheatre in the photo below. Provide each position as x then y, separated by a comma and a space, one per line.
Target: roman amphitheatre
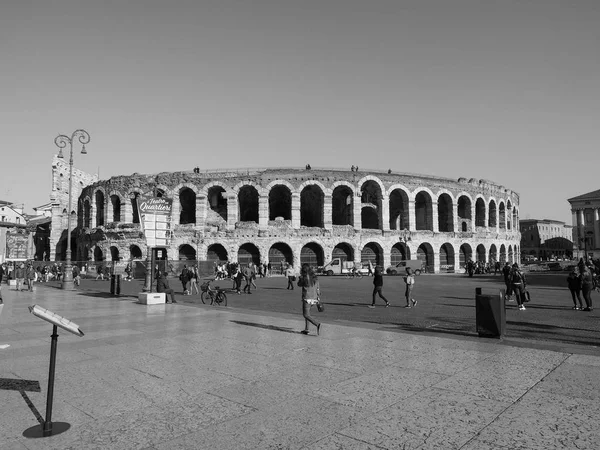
299, 215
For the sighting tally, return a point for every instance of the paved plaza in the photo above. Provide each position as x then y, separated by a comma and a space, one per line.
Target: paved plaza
191, 376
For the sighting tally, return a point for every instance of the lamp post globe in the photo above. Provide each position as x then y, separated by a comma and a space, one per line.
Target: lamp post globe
61, 142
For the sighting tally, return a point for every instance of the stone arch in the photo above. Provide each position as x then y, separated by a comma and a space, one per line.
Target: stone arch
511, 255
186, 253
216, 253
493, 254
280, 253
426, 255
98, 253
447, 257
312, 205
509, 218
465, 219
501, 215
399, 252
502, 256
135, 252
342, 204
280, 201
445, 207
423, 210
515, 217
87, 212
371, 252
492, 214
133, 196
114, 253
465, 254
115, 202
99, 203
480, 212
187, 205
481, 253
248, 199
216, 199
344, 251
371, 199
399, 208
312, 254
247, 253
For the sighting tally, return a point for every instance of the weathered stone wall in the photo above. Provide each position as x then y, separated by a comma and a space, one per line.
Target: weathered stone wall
365, 201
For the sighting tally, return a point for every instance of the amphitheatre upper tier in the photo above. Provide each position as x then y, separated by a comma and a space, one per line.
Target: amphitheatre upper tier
326, 207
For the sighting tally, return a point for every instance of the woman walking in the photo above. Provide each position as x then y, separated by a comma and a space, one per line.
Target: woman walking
291, 277
587, 284
574, 283
378, 286
409, 279
311, 293
194, 280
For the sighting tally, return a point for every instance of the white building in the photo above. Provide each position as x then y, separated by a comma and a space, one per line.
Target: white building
585, 209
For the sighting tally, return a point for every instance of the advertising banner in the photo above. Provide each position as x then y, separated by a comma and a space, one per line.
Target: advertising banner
155, 218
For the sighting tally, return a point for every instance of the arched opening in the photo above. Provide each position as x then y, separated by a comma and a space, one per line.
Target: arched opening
217, 201
423, 211
464, 213
280, 202
342, 206
479, 213
515, 217
98, 255
425, 255
87, 213
114, 253
371, 252
371, 207
400, 252
115, 201
493, 254
99, 208
511, 257
312, 254
216, 253
187, 253
343, 251
480, 253
187, 202
399, 210
445, 214
465, 255
508, 215
135, 252
311, 206
502, 254
248, 253
492, 215
158, 192
447, 258
280, 254
502, 216
134, 207
248, 204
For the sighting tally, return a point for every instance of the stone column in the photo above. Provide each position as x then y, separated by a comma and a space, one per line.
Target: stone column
455, 224
436, 260
295, 212
357, 205
200, 213
412, 217
473, 221
110, 213
263, 212
93, 215
596, 243
232, 211
126, 209
385, 214
327, 212
581, 217
574, 219
176, 210
435, 217
457, 260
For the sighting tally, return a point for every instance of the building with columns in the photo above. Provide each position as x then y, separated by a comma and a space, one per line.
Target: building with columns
305, 216
585, 210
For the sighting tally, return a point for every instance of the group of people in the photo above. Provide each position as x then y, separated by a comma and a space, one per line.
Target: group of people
582, 280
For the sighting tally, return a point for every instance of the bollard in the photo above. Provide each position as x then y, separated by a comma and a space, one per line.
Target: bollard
112, 285
490, 314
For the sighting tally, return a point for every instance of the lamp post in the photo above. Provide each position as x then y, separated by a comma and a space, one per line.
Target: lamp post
61, 142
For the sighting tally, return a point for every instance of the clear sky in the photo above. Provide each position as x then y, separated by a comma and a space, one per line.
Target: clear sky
506, 90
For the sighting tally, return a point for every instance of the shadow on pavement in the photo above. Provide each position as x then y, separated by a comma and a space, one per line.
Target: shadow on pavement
10, 384
266, 327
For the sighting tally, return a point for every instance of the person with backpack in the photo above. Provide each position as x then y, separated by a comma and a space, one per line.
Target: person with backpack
518, 284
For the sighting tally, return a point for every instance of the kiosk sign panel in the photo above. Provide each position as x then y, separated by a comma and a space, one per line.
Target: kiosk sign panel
155, 218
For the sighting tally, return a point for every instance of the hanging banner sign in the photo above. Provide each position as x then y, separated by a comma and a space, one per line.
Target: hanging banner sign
155, 218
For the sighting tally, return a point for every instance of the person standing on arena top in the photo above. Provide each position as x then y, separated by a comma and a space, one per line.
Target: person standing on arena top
378, 286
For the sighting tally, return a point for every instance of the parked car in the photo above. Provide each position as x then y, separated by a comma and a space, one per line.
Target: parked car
417, 266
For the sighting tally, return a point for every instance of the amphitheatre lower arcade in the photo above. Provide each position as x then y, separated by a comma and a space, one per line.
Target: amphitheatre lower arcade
305, 216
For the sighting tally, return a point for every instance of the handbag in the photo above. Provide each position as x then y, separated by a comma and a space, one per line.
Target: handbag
320, 305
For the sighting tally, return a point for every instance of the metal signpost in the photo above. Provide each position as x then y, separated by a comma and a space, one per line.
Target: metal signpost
48, 428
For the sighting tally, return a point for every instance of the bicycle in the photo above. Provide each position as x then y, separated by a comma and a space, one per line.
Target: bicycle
354, 274
217, 295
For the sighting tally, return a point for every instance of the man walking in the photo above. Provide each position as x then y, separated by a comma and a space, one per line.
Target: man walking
506, 274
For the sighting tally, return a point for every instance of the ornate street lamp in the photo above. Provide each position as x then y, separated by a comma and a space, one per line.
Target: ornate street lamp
62, 141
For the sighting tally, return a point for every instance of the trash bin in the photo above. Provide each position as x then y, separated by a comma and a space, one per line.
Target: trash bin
115, 285
490, 314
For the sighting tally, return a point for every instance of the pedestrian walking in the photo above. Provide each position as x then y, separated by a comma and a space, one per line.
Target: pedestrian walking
76, 277
587, 285
574, 283
311, 294
194, 280
291, 276
506, 273
20, 276
247, 278
184, 277
100, 272
378, 286
237, 277
518, 283
30, 276
409, 279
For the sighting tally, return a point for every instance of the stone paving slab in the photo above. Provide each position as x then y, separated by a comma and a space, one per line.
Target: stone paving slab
200, 377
